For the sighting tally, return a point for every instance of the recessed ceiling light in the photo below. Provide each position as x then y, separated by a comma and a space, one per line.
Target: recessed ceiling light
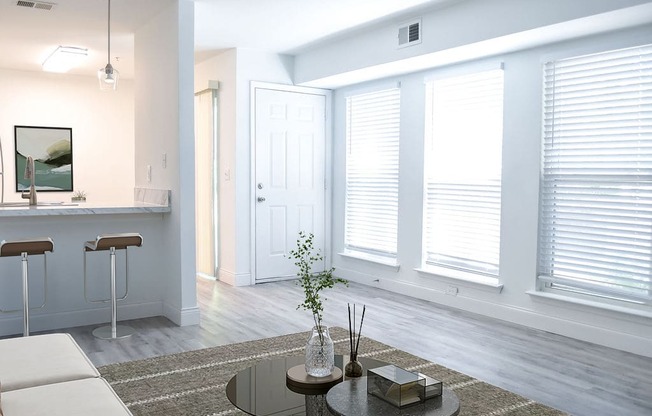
64, 58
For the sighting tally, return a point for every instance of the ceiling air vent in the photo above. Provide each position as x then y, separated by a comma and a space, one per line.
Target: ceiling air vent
35, 4
409, 33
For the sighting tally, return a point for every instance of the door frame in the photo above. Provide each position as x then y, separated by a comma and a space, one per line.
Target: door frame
328, 170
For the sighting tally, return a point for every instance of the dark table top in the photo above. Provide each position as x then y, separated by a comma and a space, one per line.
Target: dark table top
261, 390
350, 398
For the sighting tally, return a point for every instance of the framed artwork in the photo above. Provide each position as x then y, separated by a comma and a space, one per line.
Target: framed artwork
51, 149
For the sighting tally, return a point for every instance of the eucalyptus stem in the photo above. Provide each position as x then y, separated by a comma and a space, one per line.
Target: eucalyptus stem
305, 256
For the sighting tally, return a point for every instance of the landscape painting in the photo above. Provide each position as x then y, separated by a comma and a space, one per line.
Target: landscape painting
51, 149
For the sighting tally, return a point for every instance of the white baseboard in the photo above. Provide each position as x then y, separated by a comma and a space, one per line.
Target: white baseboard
13, 324
234, 279
570, 328
182, 317
206, 276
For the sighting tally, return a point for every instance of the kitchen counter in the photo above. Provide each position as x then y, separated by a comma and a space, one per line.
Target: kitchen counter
70, 225
146, 201
82, 208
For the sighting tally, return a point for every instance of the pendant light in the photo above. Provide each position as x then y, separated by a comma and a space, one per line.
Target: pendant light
108, 76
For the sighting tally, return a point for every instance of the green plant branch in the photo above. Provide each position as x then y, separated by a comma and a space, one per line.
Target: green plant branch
313, 283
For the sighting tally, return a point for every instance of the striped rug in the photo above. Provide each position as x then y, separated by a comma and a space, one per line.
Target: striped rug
193, 383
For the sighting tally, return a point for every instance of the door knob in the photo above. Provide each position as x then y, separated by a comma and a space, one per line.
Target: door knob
261, 199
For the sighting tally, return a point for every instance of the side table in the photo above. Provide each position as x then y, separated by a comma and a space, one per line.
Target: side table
350, 398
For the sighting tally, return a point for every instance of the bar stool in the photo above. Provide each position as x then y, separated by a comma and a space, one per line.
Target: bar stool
112, 242
24, 248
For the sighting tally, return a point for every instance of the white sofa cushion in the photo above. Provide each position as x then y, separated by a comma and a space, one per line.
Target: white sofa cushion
42, 359
87, 397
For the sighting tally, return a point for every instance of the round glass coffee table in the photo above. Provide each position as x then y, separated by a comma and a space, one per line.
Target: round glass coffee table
261, 390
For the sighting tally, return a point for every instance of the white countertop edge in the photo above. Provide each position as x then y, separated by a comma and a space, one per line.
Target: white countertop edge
82, 209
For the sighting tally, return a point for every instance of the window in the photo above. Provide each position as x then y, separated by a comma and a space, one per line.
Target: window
464, 131
595, 231
372, 144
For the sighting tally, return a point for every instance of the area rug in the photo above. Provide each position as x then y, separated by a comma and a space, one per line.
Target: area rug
193, 383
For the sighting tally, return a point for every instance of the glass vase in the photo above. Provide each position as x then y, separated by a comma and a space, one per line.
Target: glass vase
320, 355
353, 368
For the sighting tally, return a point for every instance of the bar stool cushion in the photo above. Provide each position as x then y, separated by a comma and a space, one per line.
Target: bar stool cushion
42, 359
119, 241
30, 246
87, 397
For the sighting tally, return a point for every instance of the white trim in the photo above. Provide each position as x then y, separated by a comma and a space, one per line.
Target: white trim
11, 325
589, 303
472, 279
465, 300
278, 279
211, 86
182, 317
328, 170
234, 279
373, 258
206, 276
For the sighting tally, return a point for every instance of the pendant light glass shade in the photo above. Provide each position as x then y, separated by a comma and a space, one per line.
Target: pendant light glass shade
108, 76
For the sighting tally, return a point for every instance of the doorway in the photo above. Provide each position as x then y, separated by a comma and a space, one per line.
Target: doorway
206, 183
289, 133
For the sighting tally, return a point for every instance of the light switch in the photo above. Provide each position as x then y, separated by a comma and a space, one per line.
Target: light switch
149, 173
227, 174
165, 160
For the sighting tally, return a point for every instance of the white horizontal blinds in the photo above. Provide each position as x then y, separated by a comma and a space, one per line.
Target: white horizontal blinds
596, 214
464, 131
372, 146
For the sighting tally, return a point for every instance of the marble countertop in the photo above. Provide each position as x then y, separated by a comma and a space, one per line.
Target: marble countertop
82, 208
146, 201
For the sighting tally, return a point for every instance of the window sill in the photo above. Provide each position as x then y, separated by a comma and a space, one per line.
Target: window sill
593, 304
385, 261
472, 279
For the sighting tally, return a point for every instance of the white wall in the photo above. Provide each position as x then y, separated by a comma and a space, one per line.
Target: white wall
102, 130
235, 69
164, 125
627, 329
464, 31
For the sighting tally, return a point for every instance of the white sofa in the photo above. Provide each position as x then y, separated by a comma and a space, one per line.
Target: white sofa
50, 375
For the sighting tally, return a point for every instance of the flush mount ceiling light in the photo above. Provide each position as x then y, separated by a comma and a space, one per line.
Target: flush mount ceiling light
108, 76
64, 58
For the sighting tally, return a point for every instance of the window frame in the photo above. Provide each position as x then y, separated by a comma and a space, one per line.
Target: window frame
428, 266
563, 286
384, 257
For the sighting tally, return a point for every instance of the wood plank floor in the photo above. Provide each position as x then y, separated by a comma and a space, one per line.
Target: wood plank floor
574, 376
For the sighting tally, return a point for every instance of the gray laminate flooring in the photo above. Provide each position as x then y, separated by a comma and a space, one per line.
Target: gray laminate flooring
574, 376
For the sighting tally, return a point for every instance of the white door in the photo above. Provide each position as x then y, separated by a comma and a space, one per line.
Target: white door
290, 135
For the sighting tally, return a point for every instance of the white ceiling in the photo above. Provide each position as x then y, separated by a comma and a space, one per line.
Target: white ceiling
28, 36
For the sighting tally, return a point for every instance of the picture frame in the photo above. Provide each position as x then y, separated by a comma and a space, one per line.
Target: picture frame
51, 149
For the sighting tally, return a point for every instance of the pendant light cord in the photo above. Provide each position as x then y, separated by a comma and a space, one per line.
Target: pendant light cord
109, 36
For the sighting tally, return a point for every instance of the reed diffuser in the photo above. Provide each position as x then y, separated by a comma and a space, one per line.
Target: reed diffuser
353, 368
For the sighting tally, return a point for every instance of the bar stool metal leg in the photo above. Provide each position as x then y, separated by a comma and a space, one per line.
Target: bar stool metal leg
113, 331
25, 296
25, 248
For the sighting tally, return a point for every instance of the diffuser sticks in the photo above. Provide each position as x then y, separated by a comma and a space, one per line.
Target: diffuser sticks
354, 338
353, 368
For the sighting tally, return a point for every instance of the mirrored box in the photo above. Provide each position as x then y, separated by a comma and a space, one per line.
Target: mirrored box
433, 387
396, 386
